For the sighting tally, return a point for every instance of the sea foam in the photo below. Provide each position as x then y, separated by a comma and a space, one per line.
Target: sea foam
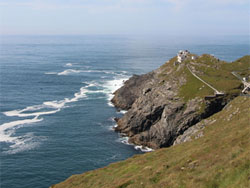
69, 71
112, 85
5, 134
19, 143
50, 73
68, 64
7, 130
124, 140
74, 71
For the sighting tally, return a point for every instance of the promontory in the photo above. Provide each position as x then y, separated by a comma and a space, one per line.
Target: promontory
194, 112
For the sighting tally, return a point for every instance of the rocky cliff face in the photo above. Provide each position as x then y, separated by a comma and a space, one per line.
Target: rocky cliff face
160, 105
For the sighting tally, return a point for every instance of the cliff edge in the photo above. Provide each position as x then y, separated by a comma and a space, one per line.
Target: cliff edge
166, 102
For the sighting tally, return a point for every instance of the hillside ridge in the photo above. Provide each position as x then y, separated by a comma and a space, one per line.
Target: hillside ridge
218, 158
207, 127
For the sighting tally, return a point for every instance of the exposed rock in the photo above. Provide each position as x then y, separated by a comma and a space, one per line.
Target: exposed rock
157, 116
126, 95
193, 132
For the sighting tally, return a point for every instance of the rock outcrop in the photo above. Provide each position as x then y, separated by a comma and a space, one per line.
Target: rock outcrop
160, 106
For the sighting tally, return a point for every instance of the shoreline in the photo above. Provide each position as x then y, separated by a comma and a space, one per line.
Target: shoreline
123, 138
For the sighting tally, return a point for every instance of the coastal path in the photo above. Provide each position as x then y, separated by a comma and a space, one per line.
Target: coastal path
215, 90
246, 84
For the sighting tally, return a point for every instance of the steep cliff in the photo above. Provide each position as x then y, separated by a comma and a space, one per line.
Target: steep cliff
193, 105
164, 103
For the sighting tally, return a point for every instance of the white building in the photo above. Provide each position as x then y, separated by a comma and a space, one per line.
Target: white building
182, 55
193, 57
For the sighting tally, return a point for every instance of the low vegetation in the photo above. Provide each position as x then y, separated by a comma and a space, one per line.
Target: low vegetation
216, 73
221, 158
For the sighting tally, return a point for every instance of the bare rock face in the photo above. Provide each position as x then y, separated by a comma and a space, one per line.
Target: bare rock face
155, 122
193, 132
132, 89
157, 114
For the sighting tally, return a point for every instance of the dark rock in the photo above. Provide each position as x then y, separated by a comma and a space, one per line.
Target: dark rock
126, 95
157, 115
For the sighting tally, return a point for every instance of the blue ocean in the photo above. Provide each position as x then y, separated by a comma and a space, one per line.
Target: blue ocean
56, 118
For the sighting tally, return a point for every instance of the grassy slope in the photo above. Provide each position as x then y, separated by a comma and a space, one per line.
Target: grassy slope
219, 74
219, 159
216, 73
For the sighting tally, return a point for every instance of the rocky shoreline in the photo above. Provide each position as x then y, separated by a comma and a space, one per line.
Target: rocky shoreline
158, 113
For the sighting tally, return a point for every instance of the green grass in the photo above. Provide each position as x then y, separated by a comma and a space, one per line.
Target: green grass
193, 87
216, 73
221, 158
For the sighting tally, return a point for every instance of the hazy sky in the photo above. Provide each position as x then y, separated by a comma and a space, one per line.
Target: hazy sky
156, 17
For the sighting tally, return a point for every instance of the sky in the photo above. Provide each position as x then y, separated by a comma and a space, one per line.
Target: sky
129, 17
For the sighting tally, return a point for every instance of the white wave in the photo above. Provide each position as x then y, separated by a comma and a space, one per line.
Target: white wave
115, 84
7, 130
69, 71
110, 104
68, 64
46, 105
54, 104
21, 114
93, 84
24, 143
18, 112
112, 85
124, 140
123, 111
79, 95
143, 149
50, 73
107, 87
112, 128
5, 135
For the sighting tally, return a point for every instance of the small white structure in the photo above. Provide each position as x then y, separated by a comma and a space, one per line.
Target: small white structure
193, 57
182, 55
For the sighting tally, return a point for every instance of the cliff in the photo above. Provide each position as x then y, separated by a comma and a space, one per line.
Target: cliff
164, 103
196, 107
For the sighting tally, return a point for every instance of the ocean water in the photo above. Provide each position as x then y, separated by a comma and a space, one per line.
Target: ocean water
56, 118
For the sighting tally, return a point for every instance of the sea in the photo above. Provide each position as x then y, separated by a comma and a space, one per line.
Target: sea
56, 118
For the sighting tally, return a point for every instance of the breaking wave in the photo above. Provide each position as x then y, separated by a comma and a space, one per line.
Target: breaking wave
68, 64
34, 113
75, 71
25, 142
50, 73
124, 139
